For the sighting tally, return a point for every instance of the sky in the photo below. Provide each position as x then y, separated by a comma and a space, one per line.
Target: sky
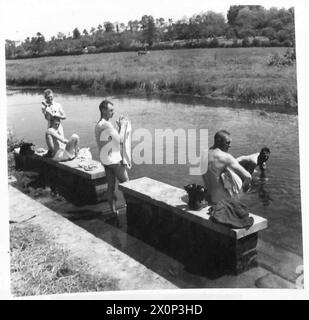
24, 18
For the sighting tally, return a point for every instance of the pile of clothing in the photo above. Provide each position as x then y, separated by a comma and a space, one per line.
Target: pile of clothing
232, 213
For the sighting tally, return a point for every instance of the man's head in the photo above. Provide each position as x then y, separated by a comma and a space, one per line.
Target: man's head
55, 122
48, 95
106, 109
222, 140
263, 157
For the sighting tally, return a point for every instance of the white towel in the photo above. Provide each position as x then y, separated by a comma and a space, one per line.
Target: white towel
231, 182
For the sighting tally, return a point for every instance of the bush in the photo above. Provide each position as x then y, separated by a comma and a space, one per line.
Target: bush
278, 60
274, 43
245, 42
256, 42
287, 43
235, 43
214, 43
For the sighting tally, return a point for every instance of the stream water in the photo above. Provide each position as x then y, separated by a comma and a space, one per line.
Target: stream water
277, 197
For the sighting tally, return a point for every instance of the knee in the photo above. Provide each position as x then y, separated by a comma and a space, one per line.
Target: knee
75, 137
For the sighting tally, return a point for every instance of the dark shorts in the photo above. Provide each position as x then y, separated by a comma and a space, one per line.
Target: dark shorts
114, 171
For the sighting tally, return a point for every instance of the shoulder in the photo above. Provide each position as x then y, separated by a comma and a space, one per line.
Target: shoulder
56, 104
50, 131
225, 157
103, 124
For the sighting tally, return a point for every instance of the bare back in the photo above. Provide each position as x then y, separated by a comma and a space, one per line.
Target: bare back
216, 165
218, 161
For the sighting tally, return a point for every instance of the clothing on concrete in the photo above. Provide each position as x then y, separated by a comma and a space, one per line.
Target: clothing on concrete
233, 213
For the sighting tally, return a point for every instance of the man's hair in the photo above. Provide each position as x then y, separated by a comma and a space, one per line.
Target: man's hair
104, 104
47, 91
265, 149
220, 135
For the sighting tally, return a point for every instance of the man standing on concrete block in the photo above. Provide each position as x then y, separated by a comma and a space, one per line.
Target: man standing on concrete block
109, 143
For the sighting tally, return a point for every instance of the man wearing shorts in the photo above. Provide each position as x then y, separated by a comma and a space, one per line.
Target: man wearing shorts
109, 142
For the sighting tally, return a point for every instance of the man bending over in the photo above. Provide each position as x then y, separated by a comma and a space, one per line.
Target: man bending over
254, 160
225, 177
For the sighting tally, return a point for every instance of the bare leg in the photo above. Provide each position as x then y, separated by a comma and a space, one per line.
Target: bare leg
72, 145
111, 182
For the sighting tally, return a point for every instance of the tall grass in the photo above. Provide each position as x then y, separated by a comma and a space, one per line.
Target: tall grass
39, 266
231, 73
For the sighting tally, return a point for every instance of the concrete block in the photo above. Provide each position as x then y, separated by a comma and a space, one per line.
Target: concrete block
158, 215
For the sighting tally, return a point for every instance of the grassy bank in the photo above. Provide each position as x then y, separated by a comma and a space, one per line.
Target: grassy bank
241, 74
39, 266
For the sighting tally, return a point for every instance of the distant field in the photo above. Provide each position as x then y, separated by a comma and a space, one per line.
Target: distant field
230, 73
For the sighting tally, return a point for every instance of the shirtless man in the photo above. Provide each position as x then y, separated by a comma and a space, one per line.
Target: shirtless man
108, 141
50, 108
252, 161
218, 161
60, 148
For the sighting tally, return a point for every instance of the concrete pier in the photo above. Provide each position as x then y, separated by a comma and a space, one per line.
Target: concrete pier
136, 265
76, 184
158, 214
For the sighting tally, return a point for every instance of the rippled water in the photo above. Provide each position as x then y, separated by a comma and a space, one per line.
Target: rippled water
277, 198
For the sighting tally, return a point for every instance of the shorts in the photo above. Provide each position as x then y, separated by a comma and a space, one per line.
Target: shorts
114, 171
63, 155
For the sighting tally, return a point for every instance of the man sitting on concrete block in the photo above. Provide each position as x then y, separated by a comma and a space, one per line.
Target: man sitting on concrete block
60, 148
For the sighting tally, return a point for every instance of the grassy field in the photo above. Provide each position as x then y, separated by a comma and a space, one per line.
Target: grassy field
232, 73
39, 266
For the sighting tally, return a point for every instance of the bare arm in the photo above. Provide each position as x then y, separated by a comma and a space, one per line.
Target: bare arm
241, 158
52, 132
50, 143
62, 113
46, 111
241, 171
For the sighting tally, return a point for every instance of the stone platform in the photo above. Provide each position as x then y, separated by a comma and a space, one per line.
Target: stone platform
158, 214
76, 184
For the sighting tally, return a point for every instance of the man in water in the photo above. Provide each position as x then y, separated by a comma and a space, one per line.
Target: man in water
221, 163
108, 141
50, 108
60, 148
254, 160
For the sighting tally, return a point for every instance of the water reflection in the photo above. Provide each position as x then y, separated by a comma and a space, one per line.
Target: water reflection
259, 187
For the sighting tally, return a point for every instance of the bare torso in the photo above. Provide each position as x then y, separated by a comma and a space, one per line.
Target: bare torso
212, 180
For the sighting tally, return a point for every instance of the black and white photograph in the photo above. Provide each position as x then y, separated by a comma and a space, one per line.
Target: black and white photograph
152, 147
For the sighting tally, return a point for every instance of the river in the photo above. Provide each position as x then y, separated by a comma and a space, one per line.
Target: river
277, 198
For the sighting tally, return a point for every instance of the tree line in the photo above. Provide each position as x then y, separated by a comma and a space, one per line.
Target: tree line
243, 26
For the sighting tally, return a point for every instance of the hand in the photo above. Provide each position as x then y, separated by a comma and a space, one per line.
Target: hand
120, 121
246, 185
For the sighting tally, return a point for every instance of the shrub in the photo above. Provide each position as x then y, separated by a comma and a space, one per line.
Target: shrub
287, 59
245, 42
274, 43
256, 42
214, 43
287, 43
